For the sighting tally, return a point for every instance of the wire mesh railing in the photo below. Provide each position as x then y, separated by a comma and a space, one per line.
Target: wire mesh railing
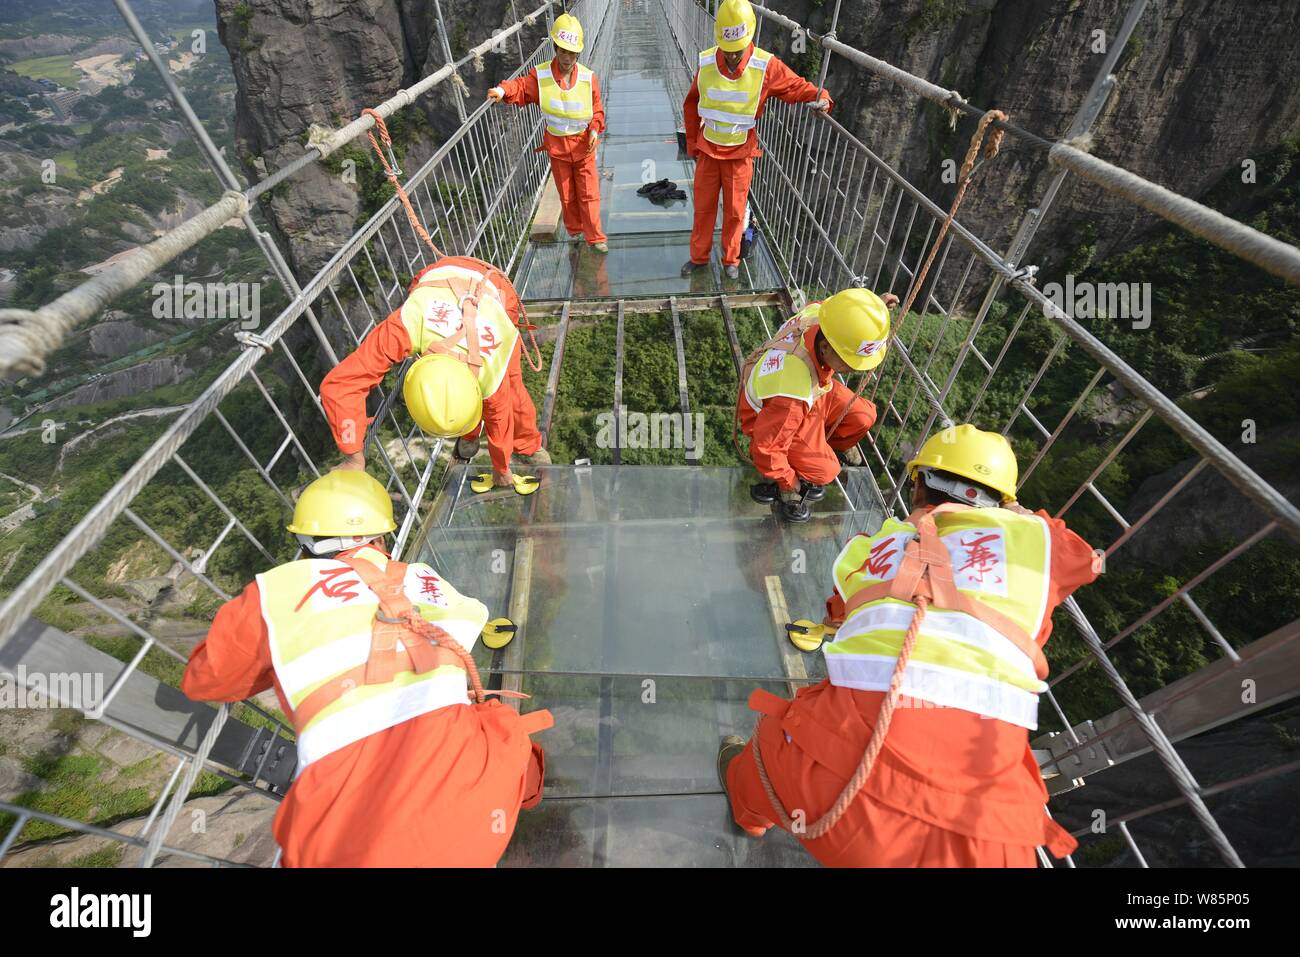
208, 498
984, 343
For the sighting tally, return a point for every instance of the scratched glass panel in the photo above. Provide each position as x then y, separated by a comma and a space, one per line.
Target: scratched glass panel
646, 570
693, 831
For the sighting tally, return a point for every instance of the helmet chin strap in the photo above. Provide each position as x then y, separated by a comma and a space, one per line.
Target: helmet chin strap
961, 491
329, 546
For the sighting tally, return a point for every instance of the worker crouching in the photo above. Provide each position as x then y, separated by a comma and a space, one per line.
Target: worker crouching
915, 749
569, 96
798, 417
462, 318
397, 766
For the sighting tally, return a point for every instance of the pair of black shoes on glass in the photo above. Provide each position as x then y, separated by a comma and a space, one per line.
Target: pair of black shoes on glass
661, 192
768, 493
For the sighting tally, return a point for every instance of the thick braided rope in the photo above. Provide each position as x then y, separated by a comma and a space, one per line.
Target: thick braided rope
990, 149
427, 629
828, 820
392, 177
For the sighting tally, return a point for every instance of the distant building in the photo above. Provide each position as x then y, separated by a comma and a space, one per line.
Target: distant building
62, 103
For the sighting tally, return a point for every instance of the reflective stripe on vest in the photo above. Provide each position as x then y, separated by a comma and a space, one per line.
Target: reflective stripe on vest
785, 368
433, 312
1001, 560
729, 108
568, 112
318, 617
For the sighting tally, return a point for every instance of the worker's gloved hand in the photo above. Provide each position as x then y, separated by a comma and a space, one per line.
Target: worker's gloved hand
356, 462
496, 94
592, 138
890, 300
1017, 508
821, 106
503, 479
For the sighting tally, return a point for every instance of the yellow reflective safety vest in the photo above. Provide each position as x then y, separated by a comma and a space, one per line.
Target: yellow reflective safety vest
434, 316
568, 112
729, 108
318, 616
1001, 567
783, 365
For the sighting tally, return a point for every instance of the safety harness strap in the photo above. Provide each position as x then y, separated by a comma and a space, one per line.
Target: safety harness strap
419, 653
467, 292
929, 552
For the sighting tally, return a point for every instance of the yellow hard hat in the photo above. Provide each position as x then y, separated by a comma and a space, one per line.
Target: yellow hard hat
983, 457
734, 29
443, 395
856, 324
343, 502
567, 33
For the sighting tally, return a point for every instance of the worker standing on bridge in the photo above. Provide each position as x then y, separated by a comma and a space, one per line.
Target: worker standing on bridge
569, 95
370, 657
798, 417
461, 383
733, 82
959, 599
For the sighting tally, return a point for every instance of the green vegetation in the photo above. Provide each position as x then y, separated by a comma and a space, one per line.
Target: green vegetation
60, 69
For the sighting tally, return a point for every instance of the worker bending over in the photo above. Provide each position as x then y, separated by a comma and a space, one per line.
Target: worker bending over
462, 382
569, 95
962, 592
727, 97
369, 658
797, 415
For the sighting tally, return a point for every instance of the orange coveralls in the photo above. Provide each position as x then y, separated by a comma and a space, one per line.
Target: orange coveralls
788, 440
573, 164
508, 414
420, 794
730, 169
949, 789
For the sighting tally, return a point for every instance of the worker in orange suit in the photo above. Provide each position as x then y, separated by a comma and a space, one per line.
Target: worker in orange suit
722, 109
958, 600
431, 323
569, 96
370, 659
798, 417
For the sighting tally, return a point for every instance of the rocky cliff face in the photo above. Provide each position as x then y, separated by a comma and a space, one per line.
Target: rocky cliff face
1202, 86
299, 62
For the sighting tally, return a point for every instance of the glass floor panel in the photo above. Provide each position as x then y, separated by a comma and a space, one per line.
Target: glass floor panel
646, 264
648, 599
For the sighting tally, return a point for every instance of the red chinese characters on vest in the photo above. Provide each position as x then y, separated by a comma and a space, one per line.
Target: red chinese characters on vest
334, 583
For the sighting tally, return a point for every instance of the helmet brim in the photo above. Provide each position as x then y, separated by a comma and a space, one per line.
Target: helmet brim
735, 46
569, 49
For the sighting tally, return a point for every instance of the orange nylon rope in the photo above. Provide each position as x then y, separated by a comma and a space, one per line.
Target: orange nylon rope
828, 820
425, 629
392, 177
963, 179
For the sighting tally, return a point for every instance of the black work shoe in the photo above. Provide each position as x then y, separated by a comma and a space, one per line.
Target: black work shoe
730, 749
810, 492
764, 493
466, 449
690, 267
796, 512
